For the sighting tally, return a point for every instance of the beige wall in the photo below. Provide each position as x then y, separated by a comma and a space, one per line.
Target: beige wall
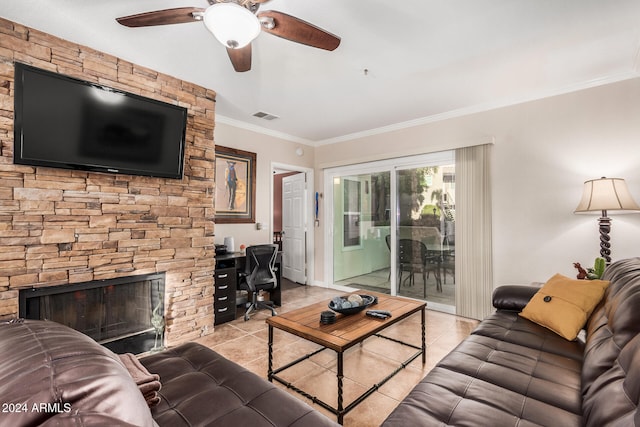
268, 150
544, 150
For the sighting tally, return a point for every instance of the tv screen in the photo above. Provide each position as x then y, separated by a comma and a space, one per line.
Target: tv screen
68, 123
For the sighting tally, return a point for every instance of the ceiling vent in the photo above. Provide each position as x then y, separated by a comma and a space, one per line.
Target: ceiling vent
265, 116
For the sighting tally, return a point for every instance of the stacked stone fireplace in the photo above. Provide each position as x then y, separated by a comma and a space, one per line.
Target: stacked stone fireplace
117, 313
61, 227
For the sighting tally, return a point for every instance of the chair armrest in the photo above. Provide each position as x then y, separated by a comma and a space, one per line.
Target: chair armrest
513, 297
243, 284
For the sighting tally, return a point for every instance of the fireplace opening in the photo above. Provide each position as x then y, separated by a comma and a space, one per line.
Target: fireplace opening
117, 313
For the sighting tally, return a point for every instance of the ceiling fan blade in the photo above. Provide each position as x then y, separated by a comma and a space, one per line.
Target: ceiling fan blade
297, 30
240, 58
178, 15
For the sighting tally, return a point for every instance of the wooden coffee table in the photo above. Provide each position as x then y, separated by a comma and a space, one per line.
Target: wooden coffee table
346, 332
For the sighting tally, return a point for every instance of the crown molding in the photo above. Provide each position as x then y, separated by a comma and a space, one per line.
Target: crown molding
259, 129
489, 106
614, 78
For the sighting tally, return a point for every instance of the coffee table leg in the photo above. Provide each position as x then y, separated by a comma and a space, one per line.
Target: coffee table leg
270, 368
424, 342
340, 377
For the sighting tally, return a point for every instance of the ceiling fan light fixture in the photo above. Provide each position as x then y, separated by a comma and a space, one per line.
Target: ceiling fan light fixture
233, 25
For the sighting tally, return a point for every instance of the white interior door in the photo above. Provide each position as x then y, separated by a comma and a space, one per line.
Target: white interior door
294, 228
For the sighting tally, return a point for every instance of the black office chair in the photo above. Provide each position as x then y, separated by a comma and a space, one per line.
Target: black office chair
259, 275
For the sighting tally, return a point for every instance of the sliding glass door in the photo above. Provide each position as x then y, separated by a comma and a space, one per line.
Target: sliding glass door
361, 224
393, 227
425, 233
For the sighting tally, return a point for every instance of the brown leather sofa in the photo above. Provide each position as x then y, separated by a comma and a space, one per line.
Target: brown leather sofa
51, 375
513, 372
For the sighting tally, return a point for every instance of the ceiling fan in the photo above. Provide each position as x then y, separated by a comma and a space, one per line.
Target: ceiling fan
235, 23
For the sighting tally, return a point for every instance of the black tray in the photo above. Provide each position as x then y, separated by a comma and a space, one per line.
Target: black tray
366, 299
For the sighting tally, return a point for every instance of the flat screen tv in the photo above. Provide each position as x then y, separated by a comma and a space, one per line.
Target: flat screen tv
73, 124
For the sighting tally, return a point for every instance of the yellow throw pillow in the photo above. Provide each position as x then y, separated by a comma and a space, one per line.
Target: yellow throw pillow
564, 305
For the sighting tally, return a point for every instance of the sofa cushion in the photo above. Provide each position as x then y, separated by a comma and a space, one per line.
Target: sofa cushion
488, 379
449, 398
60, 376
509, 327
201, 387
564, 305
536, 374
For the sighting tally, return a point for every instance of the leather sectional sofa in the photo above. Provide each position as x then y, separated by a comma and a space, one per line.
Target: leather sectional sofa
513, 372
508, 372
52, 375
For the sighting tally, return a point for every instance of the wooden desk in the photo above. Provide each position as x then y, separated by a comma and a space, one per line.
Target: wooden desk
228, 268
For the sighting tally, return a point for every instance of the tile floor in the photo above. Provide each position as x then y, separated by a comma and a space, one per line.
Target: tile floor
246, 344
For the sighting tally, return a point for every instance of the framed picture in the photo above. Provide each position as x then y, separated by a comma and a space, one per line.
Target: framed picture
235, 186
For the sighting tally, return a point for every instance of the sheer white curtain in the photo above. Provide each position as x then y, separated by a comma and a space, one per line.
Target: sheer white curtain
474, 260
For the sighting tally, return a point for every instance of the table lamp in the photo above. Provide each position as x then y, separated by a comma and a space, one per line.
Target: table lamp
603, 195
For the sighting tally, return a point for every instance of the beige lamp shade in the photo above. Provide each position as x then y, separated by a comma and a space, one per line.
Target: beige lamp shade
606, 194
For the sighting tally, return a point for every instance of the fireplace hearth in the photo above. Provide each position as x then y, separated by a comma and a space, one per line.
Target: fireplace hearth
115, 312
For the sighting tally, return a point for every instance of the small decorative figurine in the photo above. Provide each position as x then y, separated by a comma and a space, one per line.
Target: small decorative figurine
582, 273
157, 321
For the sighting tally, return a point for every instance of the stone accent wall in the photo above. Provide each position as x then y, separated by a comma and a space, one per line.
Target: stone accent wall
61, 226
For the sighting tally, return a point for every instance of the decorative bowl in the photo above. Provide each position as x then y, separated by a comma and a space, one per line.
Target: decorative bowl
367, 300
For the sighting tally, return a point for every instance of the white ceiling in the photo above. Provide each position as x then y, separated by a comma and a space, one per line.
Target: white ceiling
426, 59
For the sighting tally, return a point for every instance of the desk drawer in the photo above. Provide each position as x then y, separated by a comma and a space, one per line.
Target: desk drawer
224, 308
223, 315
221, 301
225, 289
225, 276
224, 298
